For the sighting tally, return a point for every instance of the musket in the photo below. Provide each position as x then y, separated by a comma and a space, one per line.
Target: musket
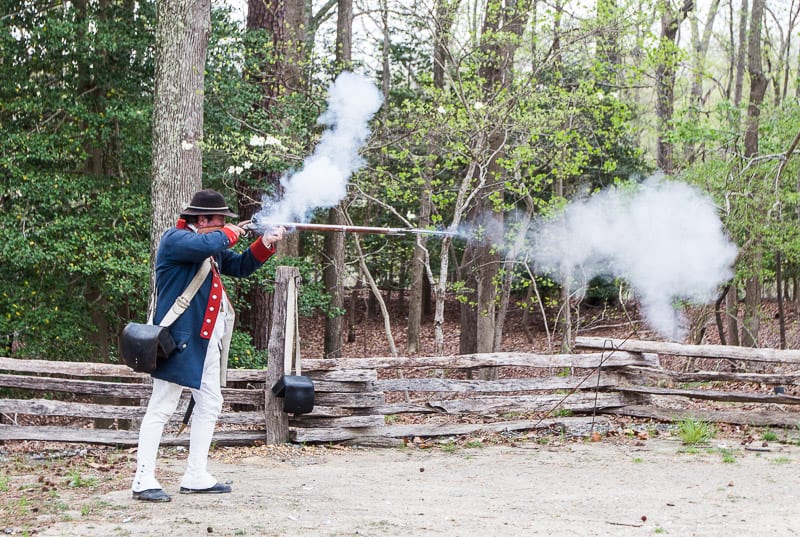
341, 228
186, 416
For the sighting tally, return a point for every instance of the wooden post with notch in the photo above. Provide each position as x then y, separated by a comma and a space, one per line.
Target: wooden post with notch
282, 340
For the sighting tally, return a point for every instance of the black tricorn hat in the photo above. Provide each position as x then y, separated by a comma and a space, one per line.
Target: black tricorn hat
208, 202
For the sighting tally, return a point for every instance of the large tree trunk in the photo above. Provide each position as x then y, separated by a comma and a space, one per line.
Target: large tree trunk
758, 87
333, 267
285, 21
182, 31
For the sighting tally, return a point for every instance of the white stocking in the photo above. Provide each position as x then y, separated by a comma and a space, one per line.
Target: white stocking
161, 406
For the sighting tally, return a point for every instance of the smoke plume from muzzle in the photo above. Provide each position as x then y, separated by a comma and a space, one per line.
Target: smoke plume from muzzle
664, 238
321, 183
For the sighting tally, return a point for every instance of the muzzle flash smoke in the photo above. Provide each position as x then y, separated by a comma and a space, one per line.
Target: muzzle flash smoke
322, 182
664, 238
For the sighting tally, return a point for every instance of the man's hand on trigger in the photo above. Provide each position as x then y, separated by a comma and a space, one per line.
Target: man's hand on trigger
272, 236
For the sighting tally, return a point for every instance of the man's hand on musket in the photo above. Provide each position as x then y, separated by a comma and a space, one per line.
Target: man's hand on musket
235, 228
273, 235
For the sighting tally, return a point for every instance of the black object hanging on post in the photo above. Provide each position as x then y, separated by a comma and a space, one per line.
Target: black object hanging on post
297, 392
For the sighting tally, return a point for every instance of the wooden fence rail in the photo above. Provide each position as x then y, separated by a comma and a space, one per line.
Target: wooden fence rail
383, 400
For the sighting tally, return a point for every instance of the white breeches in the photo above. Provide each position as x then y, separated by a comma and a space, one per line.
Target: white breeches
163, 403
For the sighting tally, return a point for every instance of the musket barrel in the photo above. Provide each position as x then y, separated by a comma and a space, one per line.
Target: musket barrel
341, 228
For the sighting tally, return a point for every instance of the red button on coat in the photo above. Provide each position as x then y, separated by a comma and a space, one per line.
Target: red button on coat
212, 308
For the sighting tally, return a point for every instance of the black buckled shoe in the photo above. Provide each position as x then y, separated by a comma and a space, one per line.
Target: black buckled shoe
219, 488
151, 495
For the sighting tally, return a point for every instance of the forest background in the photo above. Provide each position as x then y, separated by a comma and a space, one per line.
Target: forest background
496, 114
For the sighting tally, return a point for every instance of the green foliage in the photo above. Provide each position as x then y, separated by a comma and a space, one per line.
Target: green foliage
76, 480
769, 436
758, 207
74, 152
243, 354
727, 456
76, 91
693, 431
602, 290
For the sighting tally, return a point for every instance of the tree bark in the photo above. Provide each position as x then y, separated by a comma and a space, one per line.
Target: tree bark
285, 21
609, 58
419, 273
332, 270
758, 87
665, 80
779, 289
741, 58
732, 314
344, 34
502, 28
334, 243
182, 31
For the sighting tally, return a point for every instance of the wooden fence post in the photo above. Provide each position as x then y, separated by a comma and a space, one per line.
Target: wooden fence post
284, 302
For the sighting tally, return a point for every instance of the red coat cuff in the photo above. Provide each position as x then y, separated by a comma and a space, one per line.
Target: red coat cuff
232, 236
260, 251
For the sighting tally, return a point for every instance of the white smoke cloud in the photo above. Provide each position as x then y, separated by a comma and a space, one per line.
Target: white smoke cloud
322, 182
664, 238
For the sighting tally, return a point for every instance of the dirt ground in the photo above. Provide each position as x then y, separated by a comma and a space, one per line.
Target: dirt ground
554, 487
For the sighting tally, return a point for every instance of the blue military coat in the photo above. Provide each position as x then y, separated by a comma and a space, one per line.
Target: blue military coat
179, 257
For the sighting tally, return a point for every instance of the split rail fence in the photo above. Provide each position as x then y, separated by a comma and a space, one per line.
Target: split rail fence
384, 400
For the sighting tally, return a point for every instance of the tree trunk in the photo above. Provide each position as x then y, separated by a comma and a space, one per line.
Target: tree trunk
332, 270
741, 58
718, 313
334, 243
752, 310
732, 315
758, 81
419, 273
419, 302
779, 289
700, 43
665, 80
445, 12
285, 20
344, 34
758, 87
182, 31
502, 27
608, 49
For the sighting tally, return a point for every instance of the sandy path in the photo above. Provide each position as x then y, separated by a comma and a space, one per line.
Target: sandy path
578, 489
